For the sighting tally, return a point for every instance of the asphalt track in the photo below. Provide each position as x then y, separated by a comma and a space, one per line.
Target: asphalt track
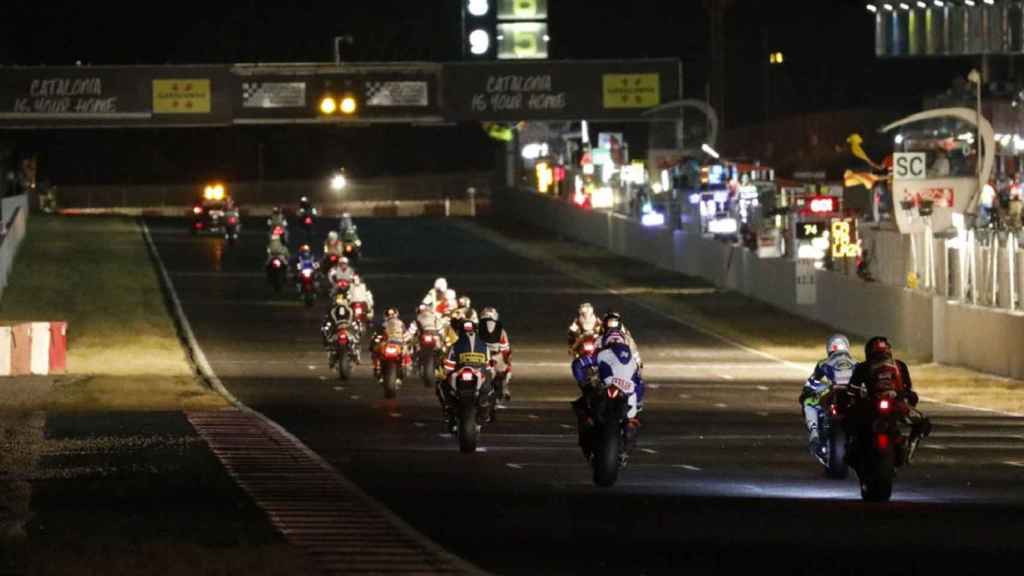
721, 479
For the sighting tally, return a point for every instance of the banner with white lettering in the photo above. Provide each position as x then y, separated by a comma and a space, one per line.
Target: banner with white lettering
557, 90
944, 197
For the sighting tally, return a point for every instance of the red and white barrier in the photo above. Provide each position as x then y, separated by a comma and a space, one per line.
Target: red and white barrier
37, 348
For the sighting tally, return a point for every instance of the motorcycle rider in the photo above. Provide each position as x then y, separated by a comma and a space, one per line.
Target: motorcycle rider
585, 322
277, 219
340, 315
276, 247
466, 351
360, 292
348, 229
613, 321
494, 335
880, 370
835, 370
305, 207
392, 329
615, 359
341, 271
438, 297
332, 245
464, 309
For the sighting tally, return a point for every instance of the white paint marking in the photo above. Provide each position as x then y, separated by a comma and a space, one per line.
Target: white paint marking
339, 388
418, 424
763, 388
721, 405
533, 417
395, 414
514, 466
684, 396
933, 446
726, 377
761, 413
648, 451
1014, 464
312, 367
323, 378
567, 427
654, 386
687, 467
355, 397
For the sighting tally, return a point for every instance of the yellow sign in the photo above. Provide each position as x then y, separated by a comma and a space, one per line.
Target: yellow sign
844, 242
631, 90
472, 358
181, 96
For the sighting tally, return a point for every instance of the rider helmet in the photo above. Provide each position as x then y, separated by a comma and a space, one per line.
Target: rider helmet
613, 336
304, 249
422, 308
878, 347
391, 313
441, 284
837, 343
489, 313
339, 299
355, 277
612, 321
332, 236
586, 309
463, 301
343, 261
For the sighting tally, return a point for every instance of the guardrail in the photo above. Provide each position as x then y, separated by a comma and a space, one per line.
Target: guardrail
14, 217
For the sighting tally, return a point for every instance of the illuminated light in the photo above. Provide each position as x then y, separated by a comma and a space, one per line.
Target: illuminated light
328, 105
823, 204
809, 252
724, 226
197, 209
884, 405
602, 198
545, 177
547, 38
535, 150
588, 347
872, 8
666, 183
709, 151
938, 3
307, 272
904, 6
478, 7
467, 376
844, 245
276, 263
656, 188
921, 4
969, 3
694, 199
339, 182
887, 6
479, 42
882, 441
990, 2
653, 219
348, 105
898, 139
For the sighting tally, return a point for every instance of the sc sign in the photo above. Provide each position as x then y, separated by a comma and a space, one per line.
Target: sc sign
909, 165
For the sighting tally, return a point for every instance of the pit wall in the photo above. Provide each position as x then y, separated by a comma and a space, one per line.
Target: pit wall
922, 325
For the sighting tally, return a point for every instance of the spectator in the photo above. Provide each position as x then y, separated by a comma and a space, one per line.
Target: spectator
986, 204
1015, 204
940, 166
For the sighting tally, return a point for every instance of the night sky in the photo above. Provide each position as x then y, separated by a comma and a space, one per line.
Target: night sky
828, 47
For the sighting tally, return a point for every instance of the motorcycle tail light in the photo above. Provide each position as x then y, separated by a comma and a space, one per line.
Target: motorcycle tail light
391, 350
882, 441
342, 337
833, 410
199, 224
427, 338
466, 376
307, 273
275, 263
884, 405
348, 248
588, 347
309, 220
613, 392
197, 209
278, 231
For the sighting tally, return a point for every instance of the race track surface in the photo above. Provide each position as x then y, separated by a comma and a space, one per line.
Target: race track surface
721, 478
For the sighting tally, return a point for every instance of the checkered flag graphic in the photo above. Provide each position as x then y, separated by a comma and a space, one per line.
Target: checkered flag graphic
249, 89
378, 94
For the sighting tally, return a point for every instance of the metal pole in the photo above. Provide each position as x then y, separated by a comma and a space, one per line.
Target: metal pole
995, 269
1011, 256
913, 255
973, 247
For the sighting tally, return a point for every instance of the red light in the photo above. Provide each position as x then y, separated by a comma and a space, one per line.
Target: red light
232, 220
197, 209
342, 338
823, 204
199, 224
348, 247
833, 410
309, 220
882, 441
391, 350
468, 326
588, 347
278, 231
276, 263
883, 405
467, 375
428, 338
613, 392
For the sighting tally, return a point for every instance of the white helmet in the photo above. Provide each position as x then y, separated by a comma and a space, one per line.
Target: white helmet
449, 294
837, 343
346, 215
441, 284
332, 236
586, 309
489, 313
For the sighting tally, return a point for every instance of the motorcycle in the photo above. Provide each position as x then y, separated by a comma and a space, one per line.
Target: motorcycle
351, 249
429, 355
306, 220
343, 353
360, 316
608, 408
340, 286
279, 230
391, 369
232, 227
585, 345
470, 400
307, 284
277, 273
877, 444
833, 402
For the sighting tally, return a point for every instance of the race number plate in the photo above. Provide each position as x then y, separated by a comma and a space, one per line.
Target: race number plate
627, 386
472, 358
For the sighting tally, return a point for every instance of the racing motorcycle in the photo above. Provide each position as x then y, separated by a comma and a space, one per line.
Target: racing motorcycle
607, 404
277, 273
232, 227
877, 444
343, 353
469, 396
429, 355
359, 314
502, 371
307, 283
391, 370
834, 403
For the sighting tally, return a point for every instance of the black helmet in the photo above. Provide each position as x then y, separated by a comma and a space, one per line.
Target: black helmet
877, 347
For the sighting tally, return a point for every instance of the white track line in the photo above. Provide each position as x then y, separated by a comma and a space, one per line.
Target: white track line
207, 372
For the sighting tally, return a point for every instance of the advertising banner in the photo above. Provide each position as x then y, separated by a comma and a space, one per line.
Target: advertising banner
558, 90
945, 195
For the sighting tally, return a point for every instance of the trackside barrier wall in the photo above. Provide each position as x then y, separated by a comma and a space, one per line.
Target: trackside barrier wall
14, 214
36, 348
919, 323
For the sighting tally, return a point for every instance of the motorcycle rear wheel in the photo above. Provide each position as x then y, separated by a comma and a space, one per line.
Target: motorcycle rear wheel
837, 467
308, 298
390, 380
877, 487
427, 370
605, 459
469, 430
344, 366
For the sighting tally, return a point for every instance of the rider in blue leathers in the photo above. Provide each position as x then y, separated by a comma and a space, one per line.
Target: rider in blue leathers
615, 359
835, 369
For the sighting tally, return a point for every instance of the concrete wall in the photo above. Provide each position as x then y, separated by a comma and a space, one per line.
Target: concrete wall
926, 326
14, 215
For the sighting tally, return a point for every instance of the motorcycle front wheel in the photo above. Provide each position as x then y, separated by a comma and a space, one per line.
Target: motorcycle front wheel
344, 366
837, 467
390, 380
427, 370
877, 486
606, 454
308, 297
